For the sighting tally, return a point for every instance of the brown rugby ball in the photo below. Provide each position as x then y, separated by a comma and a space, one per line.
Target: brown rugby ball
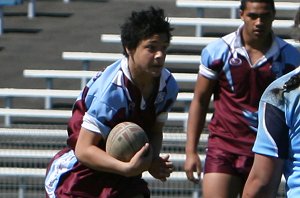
124, 140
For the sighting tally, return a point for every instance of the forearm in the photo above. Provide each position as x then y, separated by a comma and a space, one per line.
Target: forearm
196, 123
197, 113
256, 189
156, 139
99, 160
264, 177
89, 154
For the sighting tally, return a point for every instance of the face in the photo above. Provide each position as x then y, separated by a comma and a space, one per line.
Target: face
258, 18
149, 56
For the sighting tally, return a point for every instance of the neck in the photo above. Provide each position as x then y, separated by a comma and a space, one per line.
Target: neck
262, 44
146, 84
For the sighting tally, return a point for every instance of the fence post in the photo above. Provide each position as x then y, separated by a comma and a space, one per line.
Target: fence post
21, 193
7, 120
1, 21
31, 9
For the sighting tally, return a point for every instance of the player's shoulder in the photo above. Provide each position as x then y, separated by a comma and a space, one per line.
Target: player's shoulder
285, 46
285, 52
105, 80
219, 46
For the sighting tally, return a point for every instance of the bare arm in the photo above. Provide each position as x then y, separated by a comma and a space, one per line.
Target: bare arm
196, 121
156, 138
264, 178
88, 153
161, 167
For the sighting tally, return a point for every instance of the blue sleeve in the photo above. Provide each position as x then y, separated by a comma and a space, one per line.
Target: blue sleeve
272, 136
213, 59
172, 93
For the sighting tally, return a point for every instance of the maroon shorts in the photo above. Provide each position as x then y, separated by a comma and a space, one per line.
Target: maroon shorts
219, 161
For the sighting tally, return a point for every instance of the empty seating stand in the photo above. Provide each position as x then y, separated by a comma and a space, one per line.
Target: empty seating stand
233, 6
182, 40
198, 23
6, 3
200, 5
31, 8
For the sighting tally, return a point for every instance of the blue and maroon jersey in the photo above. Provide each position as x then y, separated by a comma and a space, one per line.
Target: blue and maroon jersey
111, 98
108, 99
240, 85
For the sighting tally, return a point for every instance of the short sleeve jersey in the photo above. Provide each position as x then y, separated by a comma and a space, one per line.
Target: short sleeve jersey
279, 129
108, 99
111, 98
240, 85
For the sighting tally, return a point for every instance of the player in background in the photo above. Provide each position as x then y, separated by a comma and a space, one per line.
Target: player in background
136, 88
277, 145
235, 69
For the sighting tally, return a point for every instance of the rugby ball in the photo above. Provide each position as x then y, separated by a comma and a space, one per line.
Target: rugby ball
124, 140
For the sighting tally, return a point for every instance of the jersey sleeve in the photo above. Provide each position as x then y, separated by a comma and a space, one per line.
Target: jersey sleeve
97, 117
172, 92
212, 59
272, 136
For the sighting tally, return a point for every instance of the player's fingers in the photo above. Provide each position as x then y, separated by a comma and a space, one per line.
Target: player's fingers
165, 157
199, 173
145, 150
169, 164
190, 176
167, 171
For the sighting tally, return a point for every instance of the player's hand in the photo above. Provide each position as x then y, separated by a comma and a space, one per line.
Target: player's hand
140, 162
193, 164
161, 168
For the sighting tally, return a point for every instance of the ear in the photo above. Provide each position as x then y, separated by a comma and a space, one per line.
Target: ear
242, 15
129, 52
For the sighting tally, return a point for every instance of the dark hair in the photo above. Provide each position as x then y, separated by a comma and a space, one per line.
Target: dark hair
289, 85
271, 2
142, 25
292, 83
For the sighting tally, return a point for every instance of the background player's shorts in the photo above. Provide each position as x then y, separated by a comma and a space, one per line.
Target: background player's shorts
219, 161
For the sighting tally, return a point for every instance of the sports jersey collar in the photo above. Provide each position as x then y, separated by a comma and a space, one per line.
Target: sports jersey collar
165, 75
234, 40
125, 69
237, 39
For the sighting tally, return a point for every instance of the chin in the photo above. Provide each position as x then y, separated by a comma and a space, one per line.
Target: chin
156, 73
260, 34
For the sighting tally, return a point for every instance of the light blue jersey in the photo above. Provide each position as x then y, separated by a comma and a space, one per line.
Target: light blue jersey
108, 99
279, 129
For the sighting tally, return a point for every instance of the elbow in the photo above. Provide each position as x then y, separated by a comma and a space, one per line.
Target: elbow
256, 188
78, 153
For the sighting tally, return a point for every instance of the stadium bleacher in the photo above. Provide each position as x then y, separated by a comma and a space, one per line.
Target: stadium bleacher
33, 132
